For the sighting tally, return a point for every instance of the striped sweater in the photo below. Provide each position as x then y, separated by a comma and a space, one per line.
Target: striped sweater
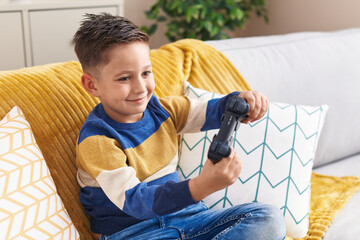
127, 171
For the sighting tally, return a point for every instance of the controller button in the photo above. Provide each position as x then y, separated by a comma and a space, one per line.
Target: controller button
213, 146
224, 150
240, 108
232, 103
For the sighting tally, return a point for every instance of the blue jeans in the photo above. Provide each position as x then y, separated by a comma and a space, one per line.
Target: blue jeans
198, 222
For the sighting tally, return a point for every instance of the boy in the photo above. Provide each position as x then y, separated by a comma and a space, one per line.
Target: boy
127, 148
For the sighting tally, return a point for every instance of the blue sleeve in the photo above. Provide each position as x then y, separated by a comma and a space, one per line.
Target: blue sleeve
214, 111
144, 201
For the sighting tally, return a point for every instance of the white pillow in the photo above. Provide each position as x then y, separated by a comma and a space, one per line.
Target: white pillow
277, 154
30, 208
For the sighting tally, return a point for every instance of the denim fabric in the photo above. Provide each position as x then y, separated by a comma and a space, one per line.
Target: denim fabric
247, 221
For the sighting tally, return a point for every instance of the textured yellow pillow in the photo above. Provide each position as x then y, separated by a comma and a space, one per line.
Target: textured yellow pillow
30, 208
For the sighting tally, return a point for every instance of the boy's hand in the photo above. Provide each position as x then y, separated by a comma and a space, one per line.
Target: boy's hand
258, 105
215, 177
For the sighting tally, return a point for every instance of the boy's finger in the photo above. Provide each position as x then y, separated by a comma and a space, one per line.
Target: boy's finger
263, 108
250, 99
236, 165
224, 162
257, 107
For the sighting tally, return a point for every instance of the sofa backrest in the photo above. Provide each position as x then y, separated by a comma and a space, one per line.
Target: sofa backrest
309, 68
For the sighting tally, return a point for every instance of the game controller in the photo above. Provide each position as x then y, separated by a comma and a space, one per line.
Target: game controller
236, 111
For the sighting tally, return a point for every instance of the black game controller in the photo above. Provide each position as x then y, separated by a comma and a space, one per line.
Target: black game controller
236, 111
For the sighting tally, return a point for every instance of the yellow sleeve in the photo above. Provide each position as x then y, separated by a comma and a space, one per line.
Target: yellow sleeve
97, 153
187, 114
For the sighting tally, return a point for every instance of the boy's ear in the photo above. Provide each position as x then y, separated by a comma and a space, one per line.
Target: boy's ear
88, 82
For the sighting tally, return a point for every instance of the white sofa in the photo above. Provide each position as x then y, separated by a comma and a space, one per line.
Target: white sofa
313, 68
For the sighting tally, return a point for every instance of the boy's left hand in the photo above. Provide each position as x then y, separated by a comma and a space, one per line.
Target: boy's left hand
258, 105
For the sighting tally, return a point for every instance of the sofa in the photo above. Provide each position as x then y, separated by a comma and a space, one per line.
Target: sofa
310, 68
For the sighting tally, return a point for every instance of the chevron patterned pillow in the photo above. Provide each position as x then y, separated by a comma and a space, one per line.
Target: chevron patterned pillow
30, 208
277, 155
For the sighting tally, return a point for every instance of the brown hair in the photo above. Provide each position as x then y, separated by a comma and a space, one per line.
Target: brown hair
99, 33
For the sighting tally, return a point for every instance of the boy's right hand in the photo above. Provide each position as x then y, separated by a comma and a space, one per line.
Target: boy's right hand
215, 177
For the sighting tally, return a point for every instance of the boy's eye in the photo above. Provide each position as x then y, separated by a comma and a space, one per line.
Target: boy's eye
123, 78
146, 73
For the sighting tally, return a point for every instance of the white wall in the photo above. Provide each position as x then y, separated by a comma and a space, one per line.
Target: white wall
285, 16
135, 11
304, 15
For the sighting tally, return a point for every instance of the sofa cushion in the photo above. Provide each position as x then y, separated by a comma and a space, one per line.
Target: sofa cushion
29, 204
277, 153
310, 68
349, 166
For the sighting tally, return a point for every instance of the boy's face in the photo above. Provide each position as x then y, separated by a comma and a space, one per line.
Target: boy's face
126, 83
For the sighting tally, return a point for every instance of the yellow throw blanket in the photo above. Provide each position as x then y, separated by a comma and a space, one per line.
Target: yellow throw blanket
196, 62
56, 105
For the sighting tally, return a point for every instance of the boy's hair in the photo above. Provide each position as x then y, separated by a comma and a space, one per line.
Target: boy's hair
99, 33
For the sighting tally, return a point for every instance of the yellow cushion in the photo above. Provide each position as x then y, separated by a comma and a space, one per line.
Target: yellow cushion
29, 204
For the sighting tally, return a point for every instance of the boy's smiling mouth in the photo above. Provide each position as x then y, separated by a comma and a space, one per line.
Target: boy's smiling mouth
138, 100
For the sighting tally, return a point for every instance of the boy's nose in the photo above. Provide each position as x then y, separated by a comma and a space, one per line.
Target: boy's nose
139, 85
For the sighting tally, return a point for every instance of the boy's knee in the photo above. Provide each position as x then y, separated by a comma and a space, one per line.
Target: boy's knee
261, 221
273, 222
